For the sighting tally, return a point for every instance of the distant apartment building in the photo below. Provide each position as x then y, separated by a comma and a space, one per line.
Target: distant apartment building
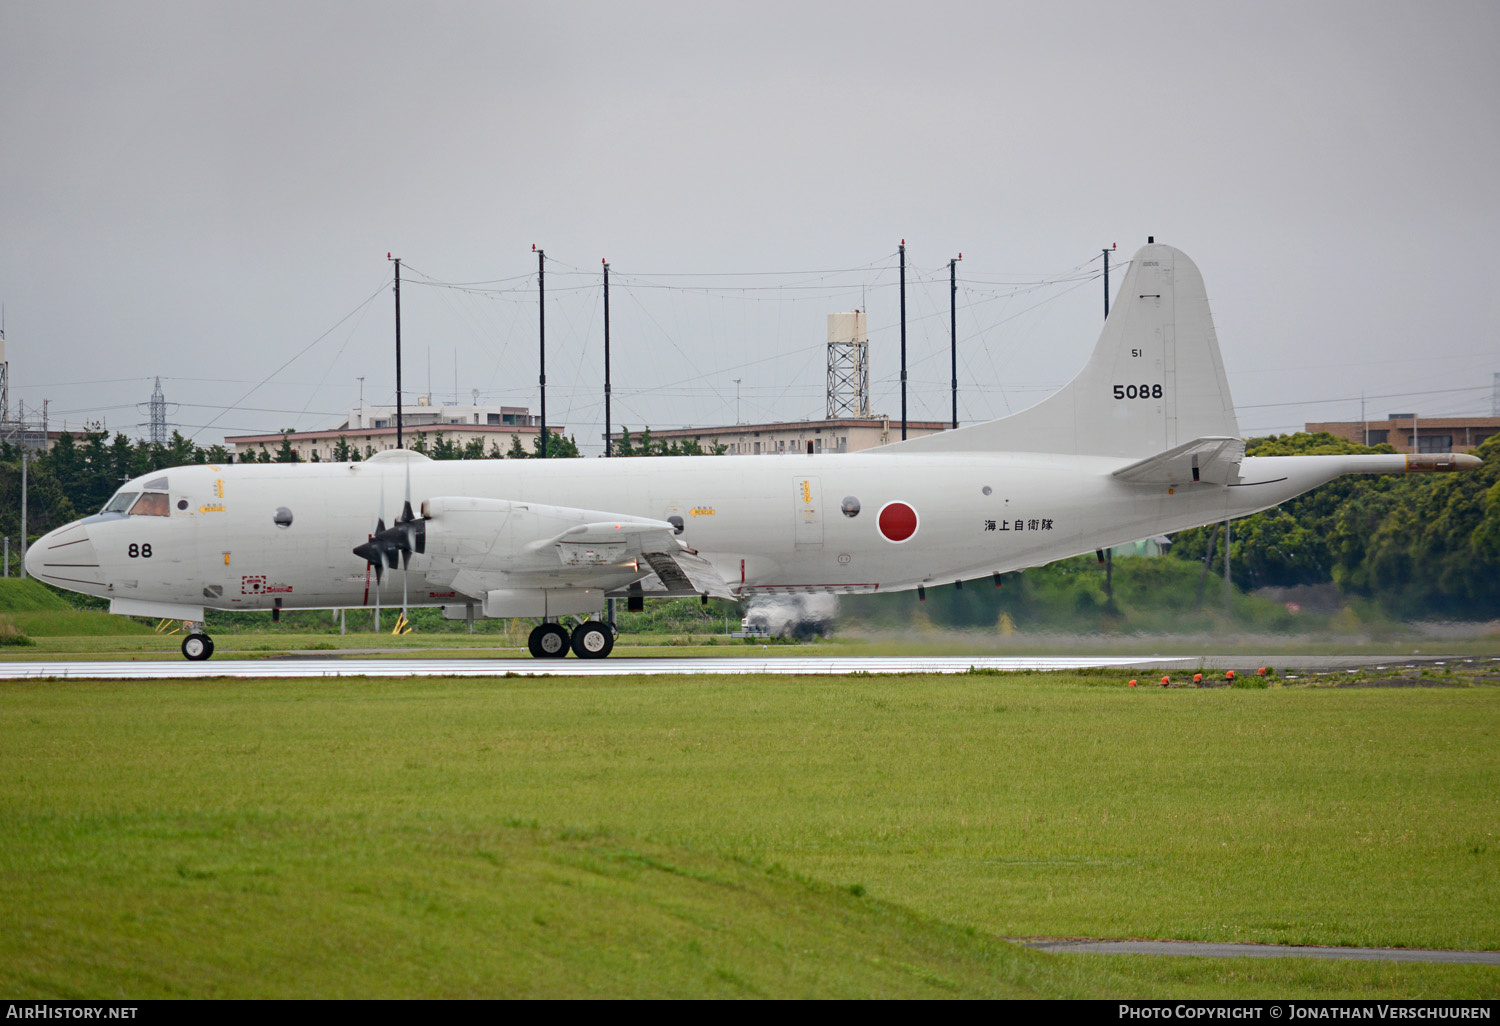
1411, 432
806, 437
370, 429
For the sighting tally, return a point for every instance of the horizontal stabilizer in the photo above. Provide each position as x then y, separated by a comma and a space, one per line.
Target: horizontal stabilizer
1208, 460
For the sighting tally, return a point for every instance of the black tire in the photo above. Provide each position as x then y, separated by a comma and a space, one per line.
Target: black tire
548, 641
197, 647
593, 640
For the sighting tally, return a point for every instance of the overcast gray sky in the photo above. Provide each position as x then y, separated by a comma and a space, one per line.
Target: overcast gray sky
202, 190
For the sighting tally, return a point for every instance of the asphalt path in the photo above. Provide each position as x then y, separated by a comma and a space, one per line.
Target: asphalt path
1195, 949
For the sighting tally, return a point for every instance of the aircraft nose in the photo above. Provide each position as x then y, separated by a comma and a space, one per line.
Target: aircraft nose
65, 557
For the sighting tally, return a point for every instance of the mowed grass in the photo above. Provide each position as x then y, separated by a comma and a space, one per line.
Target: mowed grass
864, 836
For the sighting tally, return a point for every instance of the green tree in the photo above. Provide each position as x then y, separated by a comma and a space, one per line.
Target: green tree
444, 448
558, 447
343, 452
47, 504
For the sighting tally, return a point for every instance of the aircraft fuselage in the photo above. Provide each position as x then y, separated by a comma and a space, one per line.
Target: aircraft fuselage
246, 536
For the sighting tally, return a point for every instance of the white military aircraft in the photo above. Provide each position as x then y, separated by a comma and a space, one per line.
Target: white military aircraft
1143, 442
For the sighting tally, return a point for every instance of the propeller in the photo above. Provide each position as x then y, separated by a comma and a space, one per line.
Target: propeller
390, 547
393, 546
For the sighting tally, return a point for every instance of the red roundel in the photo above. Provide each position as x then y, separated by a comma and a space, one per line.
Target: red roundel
897, 521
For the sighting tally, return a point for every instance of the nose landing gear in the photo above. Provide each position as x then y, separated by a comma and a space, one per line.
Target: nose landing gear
197, 646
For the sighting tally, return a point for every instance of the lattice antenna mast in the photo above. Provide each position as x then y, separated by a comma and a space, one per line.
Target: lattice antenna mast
158, 408
5, 377
848, 366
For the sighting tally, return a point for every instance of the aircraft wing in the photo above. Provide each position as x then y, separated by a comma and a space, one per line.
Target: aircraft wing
476, 545
1214, 460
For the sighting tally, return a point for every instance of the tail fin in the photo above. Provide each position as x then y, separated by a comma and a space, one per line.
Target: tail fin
1155, 380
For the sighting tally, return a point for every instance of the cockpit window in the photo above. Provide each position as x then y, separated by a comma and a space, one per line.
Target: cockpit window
158, 484
150, 504
120, 503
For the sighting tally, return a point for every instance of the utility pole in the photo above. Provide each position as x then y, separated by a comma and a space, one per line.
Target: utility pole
737, 399
1228, 583
541, 296
397, 261
609, 612
1109, 553
606, 371
24, 455
953, 327
1106, 280
903, 339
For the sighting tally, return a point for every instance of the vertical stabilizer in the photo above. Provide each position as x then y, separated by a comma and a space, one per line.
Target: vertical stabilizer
1155, 381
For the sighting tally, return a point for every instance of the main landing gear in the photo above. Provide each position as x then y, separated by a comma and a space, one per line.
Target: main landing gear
589, 640
196, 646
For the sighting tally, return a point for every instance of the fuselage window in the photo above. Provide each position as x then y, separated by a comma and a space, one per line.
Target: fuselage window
120, 503
151, 504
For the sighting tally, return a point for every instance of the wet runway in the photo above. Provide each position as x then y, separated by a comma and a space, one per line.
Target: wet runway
180, 669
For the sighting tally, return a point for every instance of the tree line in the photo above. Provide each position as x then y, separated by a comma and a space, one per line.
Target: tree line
1421, 544
79, 473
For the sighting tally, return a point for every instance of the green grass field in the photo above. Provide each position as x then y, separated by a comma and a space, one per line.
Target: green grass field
700, 836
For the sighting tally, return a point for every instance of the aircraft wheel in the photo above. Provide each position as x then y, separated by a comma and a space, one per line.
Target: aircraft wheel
593, 640
197, 647
548, 641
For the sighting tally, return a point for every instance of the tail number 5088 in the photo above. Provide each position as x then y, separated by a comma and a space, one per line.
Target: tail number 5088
1137, 391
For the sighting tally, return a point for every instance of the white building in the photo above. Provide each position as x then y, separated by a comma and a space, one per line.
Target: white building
809, 437
370, 429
